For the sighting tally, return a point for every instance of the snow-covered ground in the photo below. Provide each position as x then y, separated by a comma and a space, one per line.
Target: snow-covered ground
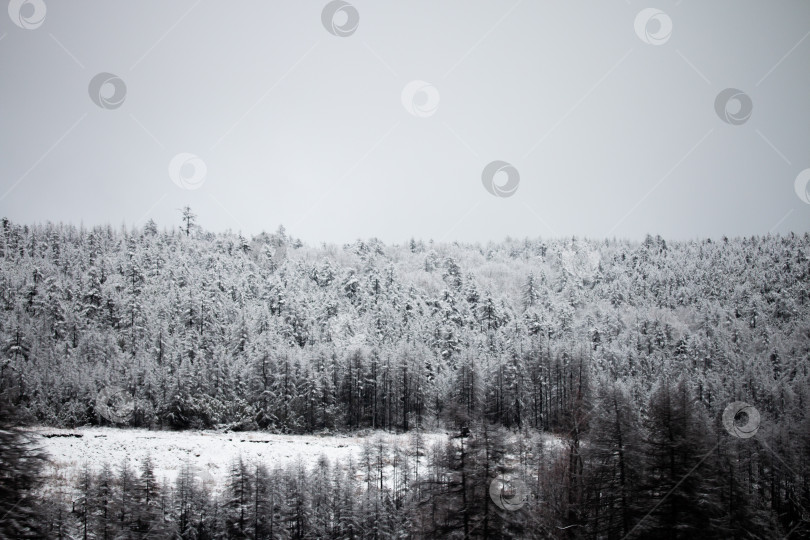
211, 452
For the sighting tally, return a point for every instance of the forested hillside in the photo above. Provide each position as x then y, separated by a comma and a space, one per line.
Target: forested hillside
630, 352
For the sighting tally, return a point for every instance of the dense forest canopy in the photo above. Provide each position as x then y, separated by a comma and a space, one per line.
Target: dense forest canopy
203, 329
630, 352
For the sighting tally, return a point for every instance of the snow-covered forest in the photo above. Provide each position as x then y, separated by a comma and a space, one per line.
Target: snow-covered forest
627, 353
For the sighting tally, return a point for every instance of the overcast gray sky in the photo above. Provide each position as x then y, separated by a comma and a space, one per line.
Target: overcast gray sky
606, 115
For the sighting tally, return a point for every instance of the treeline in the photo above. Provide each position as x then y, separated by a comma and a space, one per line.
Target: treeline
670, 473
203, 329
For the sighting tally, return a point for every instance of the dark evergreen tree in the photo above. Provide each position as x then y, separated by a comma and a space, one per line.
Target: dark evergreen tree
21, 464
680, 494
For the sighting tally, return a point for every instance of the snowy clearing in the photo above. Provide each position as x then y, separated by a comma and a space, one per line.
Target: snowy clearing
210, 451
